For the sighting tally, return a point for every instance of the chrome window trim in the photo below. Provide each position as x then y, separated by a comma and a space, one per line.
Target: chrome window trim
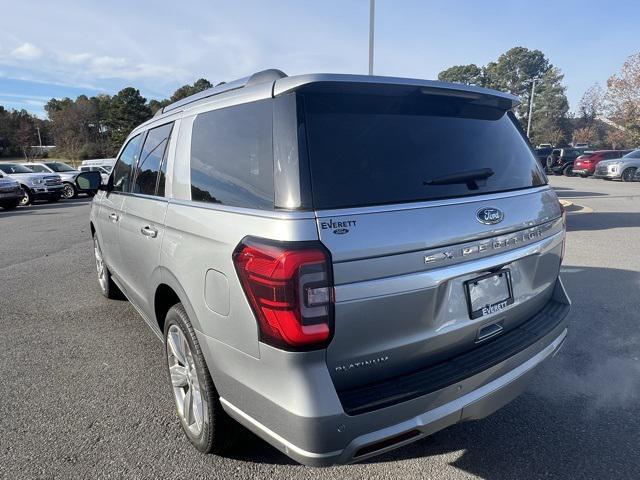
253, 212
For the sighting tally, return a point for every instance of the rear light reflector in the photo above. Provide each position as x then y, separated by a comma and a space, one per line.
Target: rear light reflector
290, 289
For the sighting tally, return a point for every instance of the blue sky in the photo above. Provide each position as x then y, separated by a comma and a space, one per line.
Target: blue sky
66, 48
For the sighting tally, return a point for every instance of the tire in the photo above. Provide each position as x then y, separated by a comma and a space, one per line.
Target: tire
568, 171
28, 197
628, 174
69, 191
187, 372
550, 161
10, 205
107, 286
583, 175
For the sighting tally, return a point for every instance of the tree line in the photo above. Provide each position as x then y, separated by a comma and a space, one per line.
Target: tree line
87, 127
606, 118
95, 127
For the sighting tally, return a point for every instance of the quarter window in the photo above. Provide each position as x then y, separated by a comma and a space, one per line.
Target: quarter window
232, 156
122, 171
151, 159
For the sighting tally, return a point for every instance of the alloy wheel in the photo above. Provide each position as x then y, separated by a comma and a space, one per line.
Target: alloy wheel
628, 174
100, 267
26, 199
68, 191
185, 382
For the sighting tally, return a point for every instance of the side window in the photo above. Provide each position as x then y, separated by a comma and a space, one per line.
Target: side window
124, 166
232, 156
38, 168
151, 157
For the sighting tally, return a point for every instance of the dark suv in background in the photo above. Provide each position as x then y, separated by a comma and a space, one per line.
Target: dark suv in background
560, 161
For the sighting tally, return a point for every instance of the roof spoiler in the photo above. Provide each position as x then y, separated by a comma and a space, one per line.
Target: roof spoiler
270, 75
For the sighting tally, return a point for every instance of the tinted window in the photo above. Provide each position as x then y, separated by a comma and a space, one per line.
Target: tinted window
39, 168
59, 167
374, 149
14, 168
123, 168
634, 154
232, 157
150, 160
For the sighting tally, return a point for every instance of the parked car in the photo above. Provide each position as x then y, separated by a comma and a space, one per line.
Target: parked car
621, 169
66, 172
585, 164
10, 192
545, 145
542, 153
560, 161
35, 186
321, 271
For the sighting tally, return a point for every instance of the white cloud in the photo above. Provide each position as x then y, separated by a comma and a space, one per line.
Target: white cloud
26, 51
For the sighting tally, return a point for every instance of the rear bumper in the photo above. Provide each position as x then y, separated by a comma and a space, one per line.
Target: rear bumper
313, 428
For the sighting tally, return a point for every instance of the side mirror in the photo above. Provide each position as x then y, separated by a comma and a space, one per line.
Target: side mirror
88, 181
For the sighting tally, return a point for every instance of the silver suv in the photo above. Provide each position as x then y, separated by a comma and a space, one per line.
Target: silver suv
67, 173
624, 168
342, 264
35, 186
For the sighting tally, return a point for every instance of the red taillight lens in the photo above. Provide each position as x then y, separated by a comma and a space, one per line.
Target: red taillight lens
290, 290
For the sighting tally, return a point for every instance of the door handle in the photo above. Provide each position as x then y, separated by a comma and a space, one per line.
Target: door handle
149, 232
114, 217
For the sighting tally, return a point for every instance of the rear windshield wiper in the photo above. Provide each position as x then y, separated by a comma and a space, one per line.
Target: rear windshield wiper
469, 177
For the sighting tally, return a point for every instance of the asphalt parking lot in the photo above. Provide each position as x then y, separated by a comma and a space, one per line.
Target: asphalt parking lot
84, 393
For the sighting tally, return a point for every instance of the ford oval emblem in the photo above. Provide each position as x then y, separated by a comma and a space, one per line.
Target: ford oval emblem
490, 215
341, 231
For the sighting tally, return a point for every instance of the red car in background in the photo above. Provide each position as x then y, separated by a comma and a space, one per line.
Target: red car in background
585, 164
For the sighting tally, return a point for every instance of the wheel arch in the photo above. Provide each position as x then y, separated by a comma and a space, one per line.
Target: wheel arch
167, 293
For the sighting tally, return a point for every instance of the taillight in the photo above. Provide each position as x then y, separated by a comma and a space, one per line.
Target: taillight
290, 289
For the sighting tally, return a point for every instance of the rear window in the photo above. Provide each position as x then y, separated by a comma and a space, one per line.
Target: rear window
232, 156
376, 149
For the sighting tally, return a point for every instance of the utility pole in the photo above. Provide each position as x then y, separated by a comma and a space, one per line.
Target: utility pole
372, 8
39, 137
533, 91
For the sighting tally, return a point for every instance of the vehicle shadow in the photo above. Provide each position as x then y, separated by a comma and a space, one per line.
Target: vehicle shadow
602, 221
41, 207
579, 418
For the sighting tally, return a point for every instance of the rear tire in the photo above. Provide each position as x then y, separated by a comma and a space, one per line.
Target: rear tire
628, 174
568, 171
194, 392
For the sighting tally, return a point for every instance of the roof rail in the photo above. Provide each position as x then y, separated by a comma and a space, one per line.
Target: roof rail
269, 75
